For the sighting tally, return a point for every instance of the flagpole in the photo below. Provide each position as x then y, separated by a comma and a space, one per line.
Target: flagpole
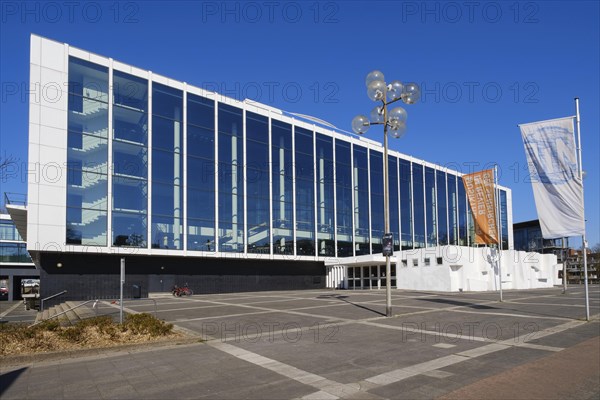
583, 240
496, 192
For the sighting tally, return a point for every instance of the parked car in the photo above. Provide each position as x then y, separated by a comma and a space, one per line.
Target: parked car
3, 291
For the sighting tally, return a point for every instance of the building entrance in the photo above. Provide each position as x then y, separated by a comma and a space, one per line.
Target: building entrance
370, 277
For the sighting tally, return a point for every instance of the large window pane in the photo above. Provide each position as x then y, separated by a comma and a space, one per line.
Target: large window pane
201, 235
452, 209
406, 216
361, 201
130, 160
86, 227
130, 91
167, 167
200, 111
14, 253
167, 232
344, 192
462, 214
130, 194
88, 116
430, 207
167, 199
394, 207
230, 120
167, 134
8, 230
130, 125
167, 102
442, 208
129, 229
325, 210
88, 80
201, 204
257, 127
419, 205
377, 203
201, 142
87, 154
89, 192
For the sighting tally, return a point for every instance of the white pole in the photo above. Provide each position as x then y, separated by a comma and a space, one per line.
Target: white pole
583, 240
497, 202
121, 295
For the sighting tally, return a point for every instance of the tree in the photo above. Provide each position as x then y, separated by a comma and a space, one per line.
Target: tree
596, 248
6, 161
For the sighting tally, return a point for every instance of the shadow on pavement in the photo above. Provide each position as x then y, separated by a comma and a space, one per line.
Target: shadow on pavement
343, 298
8, 378
459, 303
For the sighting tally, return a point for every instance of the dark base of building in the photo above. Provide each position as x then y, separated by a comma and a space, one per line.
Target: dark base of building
97, 276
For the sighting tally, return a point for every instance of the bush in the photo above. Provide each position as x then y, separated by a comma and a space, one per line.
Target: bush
146, 324
93, 332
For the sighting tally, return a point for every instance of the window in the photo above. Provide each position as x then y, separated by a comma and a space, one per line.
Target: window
281, 159
343, 188
257, 181
406, 219
305, 192
87, 154
130, 160
167, 167
325, 220
361, 201
200, 173
377, 203
231, 182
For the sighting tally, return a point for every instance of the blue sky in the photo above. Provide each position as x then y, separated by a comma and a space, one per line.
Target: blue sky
484, 67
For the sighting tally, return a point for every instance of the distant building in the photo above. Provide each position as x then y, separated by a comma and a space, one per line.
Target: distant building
15, 262
528, 237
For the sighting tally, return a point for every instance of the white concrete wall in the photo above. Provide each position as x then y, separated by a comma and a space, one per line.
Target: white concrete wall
468, 269
47, 174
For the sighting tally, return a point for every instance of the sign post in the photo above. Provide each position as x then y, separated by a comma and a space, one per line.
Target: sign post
121, 294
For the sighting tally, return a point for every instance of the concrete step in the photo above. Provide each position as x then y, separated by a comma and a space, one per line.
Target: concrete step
72, 315
82, 312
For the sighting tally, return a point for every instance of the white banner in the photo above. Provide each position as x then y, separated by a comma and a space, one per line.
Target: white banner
558, 191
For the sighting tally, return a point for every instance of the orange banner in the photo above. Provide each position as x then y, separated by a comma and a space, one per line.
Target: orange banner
480, 192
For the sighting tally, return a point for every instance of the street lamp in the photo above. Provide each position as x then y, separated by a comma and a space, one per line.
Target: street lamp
394, 121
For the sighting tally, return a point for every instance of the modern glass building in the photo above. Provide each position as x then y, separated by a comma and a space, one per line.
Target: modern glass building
182, 181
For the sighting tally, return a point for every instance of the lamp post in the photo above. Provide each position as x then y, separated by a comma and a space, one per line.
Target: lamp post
394, 121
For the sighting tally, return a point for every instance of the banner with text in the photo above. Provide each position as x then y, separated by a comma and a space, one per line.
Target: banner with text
557, 188
482, 199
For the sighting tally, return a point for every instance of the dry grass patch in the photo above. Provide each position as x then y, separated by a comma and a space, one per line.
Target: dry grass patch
17, 339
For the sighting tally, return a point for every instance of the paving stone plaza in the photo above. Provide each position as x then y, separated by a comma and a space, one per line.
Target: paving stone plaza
338, 344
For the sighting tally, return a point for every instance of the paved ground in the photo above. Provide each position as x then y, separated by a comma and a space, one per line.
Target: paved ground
337, 344
14, 311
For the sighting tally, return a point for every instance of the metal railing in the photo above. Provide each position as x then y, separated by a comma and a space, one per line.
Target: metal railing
50, 297
16, 199
66, 311
116, 301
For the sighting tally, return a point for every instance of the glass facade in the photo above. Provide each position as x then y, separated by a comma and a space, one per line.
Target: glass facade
87, 154
129, 161
361, 201
200, 173
257, 182
180, 171
231, 179
343, 192
8, 230
305, 192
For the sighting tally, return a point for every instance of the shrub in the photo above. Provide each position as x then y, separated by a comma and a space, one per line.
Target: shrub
146, 324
